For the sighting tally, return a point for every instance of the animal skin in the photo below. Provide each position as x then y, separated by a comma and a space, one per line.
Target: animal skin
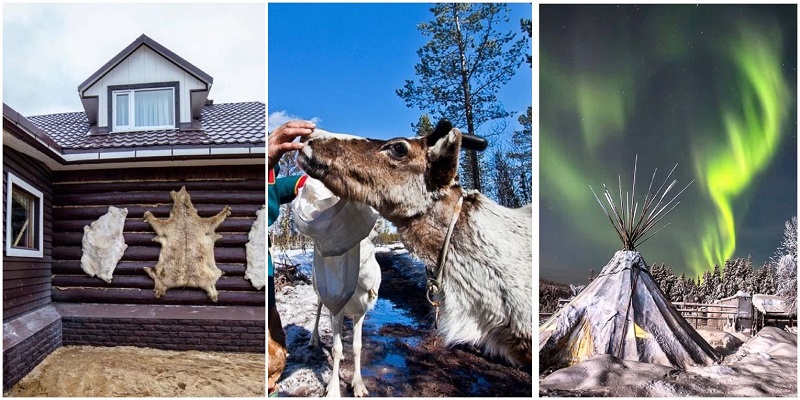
103, 244
487, 283
256, 251
187, 247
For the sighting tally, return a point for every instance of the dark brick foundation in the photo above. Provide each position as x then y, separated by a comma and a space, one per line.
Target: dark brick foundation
166, 334
204, 328
24, 355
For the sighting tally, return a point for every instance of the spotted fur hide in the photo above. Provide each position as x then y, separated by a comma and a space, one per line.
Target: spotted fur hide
187, 247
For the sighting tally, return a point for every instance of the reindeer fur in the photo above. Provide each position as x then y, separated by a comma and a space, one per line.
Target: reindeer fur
487, 282
187, 247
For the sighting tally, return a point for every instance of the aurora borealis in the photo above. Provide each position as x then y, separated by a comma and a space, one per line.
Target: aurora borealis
710, 87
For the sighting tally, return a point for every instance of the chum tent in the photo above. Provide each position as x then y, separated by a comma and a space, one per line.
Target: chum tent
623, 312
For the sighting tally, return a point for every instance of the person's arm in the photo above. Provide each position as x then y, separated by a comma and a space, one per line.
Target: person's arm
281, 140
288, 187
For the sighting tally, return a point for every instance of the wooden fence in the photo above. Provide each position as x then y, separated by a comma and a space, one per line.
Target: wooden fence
698, 314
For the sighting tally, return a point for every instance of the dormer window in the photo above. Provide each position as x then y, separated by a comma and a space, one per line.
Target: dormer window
143, 107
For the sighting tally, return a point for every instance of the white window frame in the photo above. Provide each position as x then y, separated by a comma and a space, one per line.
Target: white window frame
11, 251
131, 127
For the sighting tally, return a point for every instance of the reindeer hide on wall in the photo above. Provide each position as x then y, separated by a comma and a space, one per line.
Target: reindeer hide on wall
103, 244
187, 247
255, 248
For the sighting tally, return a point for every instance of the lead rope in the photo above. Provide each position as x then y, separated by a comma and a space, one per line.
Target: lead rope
434, 286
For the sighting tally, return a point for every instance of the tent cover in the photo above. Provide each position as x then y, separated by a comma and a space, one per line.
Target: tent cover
622, 313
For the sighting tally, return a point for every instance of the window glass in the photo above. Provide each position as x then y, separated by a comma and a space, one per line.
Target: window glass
23, 219
122, 109
154, 108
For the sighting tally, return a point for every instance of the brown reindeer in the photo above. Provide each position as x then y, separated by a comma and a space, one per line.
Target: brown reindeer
481, 278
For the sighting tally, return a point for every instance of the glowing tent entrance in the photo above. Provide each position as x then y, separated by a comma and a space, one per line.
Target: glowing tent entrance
622, 313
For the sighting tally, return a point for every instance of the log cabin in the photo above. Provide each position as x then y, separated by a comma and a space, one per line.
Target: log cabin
147, 128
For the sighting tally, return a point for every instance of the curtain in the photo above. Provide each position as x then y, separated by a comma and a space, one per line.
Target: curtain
121, 117
22, 210
154, 108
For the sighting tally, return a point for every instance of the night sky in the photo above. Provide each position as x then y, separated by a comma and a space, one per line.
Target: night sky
710, 87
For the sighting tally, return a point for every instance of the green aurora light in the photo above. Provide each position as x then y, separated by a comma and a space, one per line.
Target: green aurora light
754, 132
723, 114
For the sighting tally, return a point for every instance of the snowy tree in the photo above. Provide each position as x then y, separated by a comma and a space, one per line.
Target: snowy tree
786, 273
789, 243
664, 278
737, 277
692, 291
786, 265
712, 286
769, 279
679, 290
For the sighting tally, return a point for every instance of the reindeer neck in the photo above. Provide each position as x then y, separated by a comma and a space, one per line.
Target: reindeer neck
424, 234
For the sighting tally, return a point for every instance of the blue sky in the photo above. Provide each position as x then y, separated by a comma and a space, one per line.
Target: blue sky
340, 64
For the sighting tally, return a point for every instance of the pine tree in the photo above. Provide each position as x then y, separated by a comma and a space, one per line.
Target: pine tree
522, 156
527, 27
784, 264
462, 68
506, 196
423, 127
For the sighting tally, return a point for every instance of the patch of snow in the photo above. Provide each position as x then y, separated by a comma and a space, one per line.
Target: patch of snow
764, 366
309, 369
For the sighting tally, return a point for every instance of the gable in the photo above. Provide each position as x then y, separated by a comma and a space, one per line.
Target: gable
144, 66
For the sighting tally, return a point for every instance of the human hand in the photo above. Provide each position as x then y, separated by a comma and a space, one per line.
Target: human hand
281, 140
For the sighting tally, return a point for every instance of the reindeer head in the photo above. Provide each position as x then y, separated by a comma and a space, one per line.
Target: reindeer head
399, 177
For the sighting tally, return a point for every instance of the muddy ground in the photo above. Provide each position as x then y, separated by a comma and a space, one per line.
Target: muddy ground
401, 354
83, 371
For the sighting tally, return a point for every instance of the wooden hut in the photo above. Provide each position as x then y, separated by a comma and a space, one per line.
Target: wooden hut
147, 128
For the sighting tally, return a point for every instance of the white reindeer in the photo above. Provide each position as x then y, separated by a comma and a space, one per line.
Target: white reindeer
346, 276
477, 253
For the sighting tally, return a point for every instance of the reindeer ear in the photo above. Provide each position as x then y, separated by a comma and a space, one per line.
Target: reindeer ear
442, 128
443, 156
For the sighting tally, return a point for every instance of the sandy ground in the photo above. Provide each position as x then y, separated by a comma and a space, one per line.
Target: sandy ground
764, 366
83, 371
401, 354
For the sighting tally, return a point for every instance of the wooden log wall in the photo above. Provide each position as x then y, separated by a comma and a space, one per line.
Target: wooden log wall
82, 197
26, 281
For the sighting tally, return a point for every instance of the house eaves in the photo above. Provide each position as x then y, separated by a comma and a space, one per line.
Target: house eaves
22, 135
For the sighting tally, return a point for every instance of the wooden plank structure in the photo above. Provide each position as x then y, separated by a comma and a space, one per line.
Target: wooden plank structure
26, 283
82, 197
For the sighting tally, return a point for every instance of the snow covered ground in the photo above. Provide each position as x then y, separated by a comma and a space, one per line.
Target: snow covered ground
401, 354
765, 365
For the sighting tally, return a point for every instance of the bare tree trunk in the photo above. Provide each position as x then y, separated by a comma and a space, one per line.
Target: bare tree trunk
472, 157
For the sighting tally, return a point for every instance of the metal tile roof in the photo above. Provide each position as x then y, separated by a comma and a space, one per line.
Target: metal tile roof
222, 124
